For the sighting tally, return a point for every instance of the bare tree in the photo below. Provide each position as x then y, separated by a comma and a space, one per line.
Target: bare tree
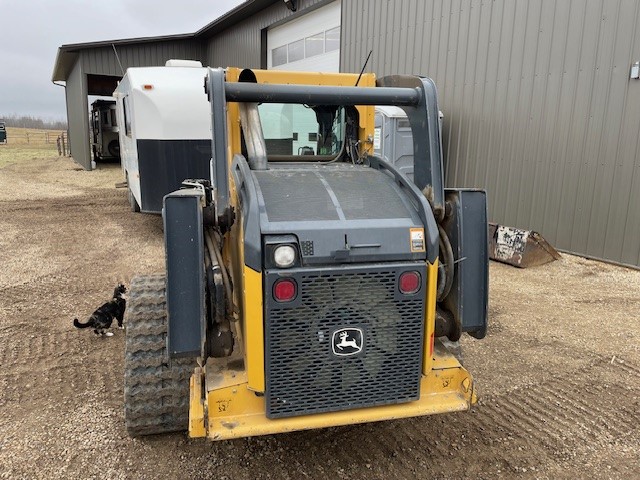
28, 121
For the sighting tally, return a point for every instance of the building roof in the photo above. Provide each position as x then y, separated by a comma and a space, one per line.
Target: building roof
242, 11
68, 54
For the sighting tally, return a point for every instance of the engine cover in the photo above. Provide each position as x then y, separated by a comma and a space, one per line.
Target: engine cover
340, 213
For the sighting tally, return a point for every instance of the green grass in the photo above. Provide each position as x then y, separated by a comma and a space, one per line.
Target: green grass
17, 149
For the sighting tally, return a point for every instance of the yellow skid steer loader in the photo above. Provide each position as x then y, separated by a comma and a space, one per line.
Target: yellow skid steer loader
307, 280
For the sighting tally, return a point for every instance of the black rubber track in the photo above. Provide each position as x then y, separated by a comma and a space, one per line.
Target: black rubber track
156, 395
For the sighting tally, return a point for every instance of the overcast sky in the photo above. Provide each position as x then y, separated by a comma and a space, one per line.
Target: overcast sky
32, 30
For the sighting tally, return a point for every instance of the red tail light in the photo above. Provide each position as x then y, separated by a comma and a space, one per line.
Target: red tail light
409, 282
285, 290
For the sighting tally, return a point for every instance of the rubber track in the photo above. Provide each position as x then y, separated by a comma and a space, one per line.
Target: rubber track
156, 395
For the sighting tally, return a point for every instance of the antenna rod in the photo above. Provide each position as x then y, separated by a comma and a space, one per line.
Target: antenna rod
118, 58
363, 67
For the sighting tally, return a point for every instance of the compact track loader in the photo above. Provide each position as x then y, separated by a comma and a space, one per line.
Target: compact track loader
307, 281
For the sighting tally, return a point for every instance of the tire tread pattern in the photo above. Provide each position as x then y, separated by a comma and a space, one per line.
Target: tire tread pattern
156, 393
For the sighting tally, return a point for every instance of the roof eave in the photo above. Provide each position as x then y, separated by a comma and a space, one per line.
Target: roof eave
67, 54
239, 13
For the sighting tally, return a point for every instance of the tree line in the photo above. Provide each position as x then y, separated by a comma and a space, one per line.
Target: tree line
28, 121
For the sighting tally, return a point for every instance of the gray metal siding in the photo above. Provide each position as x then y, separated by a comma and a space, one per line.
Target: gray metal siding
78, 116
538, 105
240, 45
102, 60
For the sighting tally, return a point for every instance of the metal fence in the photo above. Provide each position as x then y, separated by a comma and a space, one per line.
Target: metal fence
49, 137
62, 142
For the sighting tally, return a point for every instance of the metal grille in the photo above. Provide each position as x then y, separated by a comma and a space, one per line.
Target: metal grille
304, 375
307, 248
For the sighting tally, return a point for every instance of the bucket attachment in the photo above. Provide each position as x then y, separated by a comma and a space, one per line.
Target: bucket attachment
520, 248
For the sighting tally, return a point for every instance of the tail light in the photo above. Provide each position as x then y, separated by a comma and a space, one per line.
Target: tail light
285, 290
409, 282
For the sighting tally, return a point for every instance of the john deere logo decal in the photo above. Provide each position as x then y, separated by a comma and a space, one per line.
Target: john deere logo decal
347, 341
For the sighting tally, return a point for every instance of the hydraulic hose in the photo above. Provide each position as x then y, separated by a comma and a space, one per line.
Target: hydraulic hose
447, 264
214, 251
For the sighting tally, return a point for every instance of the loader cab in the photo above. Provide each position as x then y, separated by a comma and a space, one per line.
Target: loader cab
3, 133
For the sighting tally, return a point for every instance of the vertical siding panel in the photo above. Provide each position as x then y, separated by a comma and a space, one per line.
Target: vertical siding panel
504, 110
623, 220
389, 52
433, 26
534, 161
631, 242
521, 167
480, 117
464, 74
590, 136
371, 32
538, 108
611, 165
495, 85
611, 104
477, 61
585, 48
408, 37
378, 49
557, 110
455, 85
416, 39
422, 36
505, 204
353, 35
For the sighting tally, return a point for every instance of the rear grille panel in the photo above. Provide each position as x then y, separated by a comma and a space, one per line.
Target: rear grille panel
303, 373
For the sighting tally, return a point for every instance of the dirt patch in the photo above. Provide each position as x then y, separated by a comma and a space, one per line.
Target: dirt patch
558, 374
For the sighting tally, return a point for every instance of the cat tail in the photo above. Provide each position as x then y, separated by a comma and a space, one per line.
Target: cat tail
77, 324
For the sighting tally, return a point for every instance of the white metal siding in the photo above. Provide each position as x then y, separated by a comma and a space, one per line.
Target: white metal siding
317, 22
241, 44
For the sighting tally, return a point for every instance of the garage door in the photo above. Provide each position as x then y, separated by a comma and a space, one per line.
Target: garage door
310, 43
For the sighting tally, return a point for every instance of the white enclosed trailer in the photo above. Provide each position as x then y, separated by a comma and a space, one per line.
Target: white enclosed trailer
165, 130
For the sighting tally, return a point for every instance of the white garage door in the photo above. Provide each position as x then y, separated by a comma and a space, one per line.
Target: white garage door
310, 43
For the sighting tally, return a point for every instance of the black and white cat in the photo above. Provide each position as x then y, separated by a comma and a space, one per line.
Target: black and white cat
102, 318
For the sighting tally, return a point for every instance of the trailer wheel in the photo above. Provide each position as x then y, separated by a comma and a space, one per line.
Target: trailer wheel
114, 148
156, 390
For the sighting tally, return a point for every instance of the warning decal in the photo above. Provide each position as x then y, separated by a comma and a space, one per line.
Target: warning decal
376, 139
417, 240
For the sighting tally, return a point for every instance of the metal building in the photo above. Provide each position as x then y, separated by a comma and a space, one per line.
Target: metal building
540, 107
238, 38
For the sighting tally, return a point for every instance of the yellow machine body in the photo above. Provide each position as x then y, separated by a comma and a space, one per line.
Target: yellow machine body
227, 394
